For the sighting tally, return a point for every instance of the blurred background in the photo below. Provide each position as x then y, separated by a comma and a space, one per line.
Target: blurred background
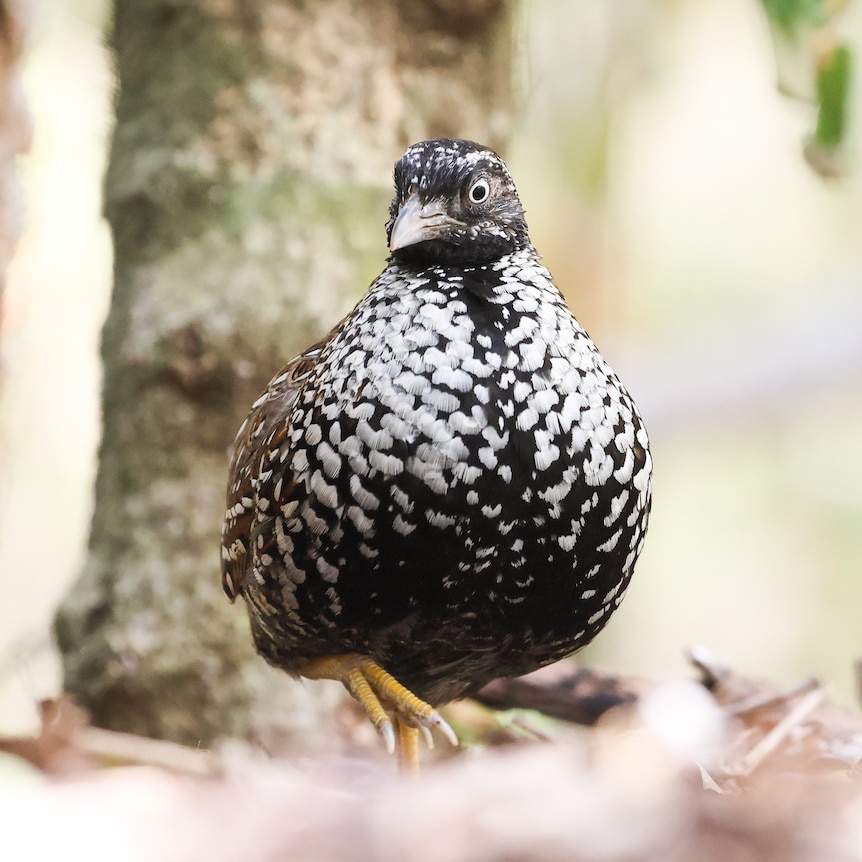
665, 184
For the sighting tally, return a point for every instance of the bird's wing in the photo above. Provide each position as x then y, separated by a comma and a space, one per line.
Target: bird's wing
263, 431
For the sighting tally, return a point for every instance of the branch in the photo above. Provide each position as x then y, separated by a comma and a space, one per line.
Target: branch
578, 695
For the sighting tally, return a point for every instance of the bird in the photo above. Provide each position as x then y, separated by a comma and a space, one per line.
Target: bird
453, 485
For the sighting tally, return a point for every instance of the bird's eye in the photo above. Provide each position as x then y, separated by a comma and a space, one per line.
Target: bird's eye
479, 192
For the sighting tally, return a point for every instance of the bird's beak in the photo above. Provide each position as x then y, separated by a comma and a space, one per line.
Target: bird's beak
417, 222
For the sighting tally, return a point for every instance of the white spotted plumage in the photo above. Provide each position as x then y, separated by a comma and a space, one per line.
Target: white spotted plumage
457, 427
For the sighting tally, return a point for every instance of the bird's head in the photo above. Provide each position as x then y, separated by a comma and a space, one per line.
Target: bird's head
455, 203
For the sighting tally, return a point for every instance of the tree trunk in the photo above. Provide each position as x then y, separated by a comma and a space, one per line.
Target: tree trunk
247, 191
15, 127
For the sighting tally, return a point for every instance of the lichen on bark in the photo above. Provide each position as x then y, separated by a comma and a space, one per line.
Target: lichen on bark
247, 190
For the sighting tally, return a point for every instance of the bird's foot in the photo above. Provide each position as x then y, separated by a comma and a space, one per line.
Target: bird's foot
373, 687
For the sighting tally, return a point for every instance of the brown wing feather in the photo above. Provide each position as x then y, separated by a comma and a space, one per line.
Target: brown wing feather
264, 428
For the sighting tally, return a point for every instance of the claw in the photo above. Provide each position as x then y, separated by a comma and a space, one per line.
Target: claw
388, 734
370, 685
445, 728
427, 735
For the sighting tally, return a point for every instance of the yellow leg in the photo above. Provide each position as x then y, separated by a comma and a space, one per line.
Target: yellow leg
373, 687
408, 748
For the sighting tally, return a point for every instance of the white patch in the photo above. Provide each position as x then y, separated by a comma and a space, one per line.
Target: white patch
438, 519
453, 378
363, 497
567, 543
596, 617
388, 465
612, 593
532, 356
521, 391
496, 440
623, 474
525, 328
545, 457
373, 439
603, 436
367, 551
611, 543
544, 400
361, 411
329, 459
483, 395
641, 480
324, 492
315, 525
360, 520
401, 526
401, 499
430, 475
327, 572
573, 404
397, 427
437, 317
453, 449
476, 368
284, 542
526, 419
349, 447
556, 493
466, 473
463, 424
617, 504
461, 350
626, 438
599, 468
525, 304
359, 464
415, 384
488, 457
444, 402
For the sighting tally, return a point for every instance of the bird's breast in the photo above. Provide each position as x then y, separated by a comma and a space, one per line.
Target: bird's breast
446, 417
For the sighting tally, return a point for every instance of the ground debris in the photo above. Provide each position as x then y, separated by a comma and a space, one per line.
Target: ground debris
720, 767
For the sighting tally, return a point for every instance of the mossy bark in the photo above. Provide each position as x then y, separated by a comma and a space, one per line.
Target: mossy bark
247, 190
15, 128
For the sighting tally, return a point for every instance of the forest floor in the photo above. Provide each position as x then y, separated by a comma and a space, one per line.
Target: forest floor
570, 764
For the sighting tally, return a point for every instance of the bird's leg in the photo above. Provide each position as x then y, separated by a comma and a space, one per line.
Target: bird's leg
381, 694
408, 747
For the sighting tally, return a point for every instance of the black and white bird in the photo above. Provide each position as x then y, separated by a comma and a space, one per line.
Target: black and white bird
453, 485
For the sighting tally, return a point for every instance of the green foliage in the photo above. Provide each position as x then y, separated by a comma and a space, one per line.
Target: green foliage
833, 84
791, 15
805, 35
